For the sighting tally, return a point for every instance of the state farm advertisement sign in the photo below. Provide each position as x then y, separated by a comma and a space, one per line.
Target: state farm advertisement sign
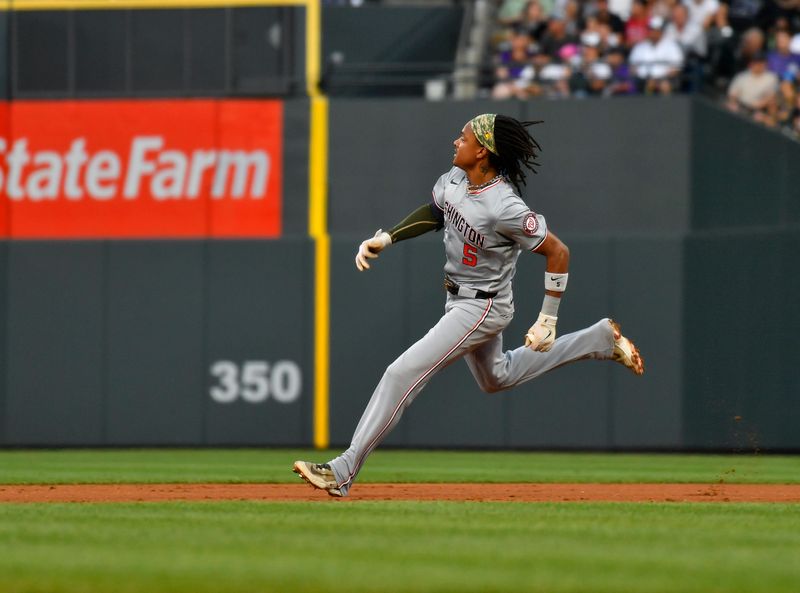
141, 169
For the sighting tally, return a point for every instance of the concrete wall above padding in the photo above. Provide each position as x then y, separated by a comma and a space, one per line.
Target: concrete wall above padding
607, 166
743, 175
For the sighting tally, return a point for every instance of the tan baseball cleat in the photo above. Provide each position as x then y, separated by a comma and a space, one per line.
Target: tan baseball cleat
319, 475
625, 352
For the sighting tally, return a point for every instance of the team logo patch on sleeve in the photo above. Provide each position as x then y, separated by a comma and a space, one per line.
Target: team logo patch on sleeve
530, 225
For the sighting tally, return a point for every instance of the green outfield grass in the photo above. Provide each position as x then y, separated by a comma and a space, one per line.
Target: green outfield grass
274, 465
329, 545
384, 547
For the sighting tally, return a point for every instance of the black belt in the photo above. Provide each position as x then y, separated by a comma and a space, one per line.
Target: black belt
470, 293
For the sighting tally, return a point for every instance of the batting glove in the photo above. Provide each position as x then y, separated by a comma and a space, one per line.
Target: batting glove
542, 334
370, 249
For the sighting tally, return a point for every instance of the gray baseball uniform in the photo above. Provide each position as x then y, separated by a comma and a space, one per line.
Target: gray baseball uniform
484, 233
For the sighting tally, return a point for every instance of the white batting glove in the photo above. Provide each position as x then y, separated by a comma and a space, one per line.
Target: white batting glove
542, 334
370, 249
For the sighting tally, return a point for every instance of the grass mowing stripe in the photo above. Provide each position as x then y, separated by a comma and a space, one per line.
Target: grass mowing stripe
425, 547
274, 465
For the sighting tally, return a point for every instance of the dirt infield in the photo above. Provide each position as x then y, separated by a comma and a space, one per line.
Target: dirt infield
449, 492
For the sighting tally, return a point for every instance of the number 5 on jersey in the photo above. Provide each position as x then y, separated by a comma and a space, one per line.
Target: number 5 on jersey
470, 255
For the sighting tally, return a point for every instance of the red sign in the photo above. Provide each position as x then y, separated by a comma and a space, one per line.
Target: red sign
141, 169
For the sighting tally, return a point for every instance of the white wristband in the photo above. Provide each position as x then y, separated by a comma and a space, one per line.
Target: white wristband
555, 282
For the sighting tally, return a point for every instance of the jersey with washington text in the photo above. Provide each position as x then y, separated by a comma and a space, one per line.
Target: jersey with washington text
485, 231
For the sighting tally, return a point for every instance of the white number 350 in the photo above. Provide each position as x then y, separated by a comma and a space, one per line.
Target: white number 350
254, 382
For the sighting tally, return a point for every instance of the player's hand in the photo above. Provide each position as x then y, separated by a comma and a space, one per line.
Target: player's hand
542, 334
370, 249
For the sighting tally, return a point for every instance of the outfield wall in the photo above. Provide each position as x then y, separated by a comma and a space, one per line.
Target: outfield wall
209, 340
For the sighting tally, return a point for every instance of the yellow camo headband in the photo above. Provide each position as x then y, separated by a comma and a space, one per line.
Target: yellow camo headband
483, 128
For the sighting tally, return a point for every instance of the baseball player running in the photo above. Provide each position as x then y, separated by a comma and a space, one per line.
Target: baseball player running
486, 226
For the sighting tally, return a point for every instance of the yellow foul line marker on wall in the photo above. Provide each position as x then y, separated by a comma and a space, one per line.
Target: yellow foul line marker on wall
318, 184
318, 224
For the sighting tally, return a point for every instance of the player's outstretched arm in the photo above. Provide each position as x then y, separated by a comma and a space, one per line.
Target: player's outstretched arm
542, 334
423, 219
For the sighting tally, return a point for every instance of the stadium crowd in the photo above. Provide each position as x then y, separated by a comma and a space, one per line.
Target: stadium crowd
747, 51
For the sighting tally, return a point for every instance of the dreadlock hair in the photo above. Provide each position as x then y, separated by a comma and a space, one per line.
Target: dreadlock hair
515, 148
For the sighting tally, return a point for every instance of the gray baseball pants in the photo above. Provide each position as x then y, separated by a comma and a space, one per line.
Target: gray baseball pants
470, 328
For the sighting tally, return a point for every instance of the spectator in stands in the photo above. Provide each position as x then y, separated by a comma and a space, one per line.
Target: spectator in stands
657, 61
702, 12
579, 47
692, 39
514, 71
592, 75
662, 8
780, 60
555, 38
750, 44
794, 116
534, 20
621, 8
539, 87
548, 7
754, 90
721, 48
688, 34
744, 14
609, 39
621, 82
510, 12
554, 76
559, 9
636, 27
603, 14
780, 22
785, 102
573, 19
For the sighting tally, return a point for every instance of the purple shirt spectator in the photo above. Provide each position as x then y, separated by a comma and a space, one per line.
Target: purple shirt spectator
781, 61
514, 66
517, 56
622, 82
